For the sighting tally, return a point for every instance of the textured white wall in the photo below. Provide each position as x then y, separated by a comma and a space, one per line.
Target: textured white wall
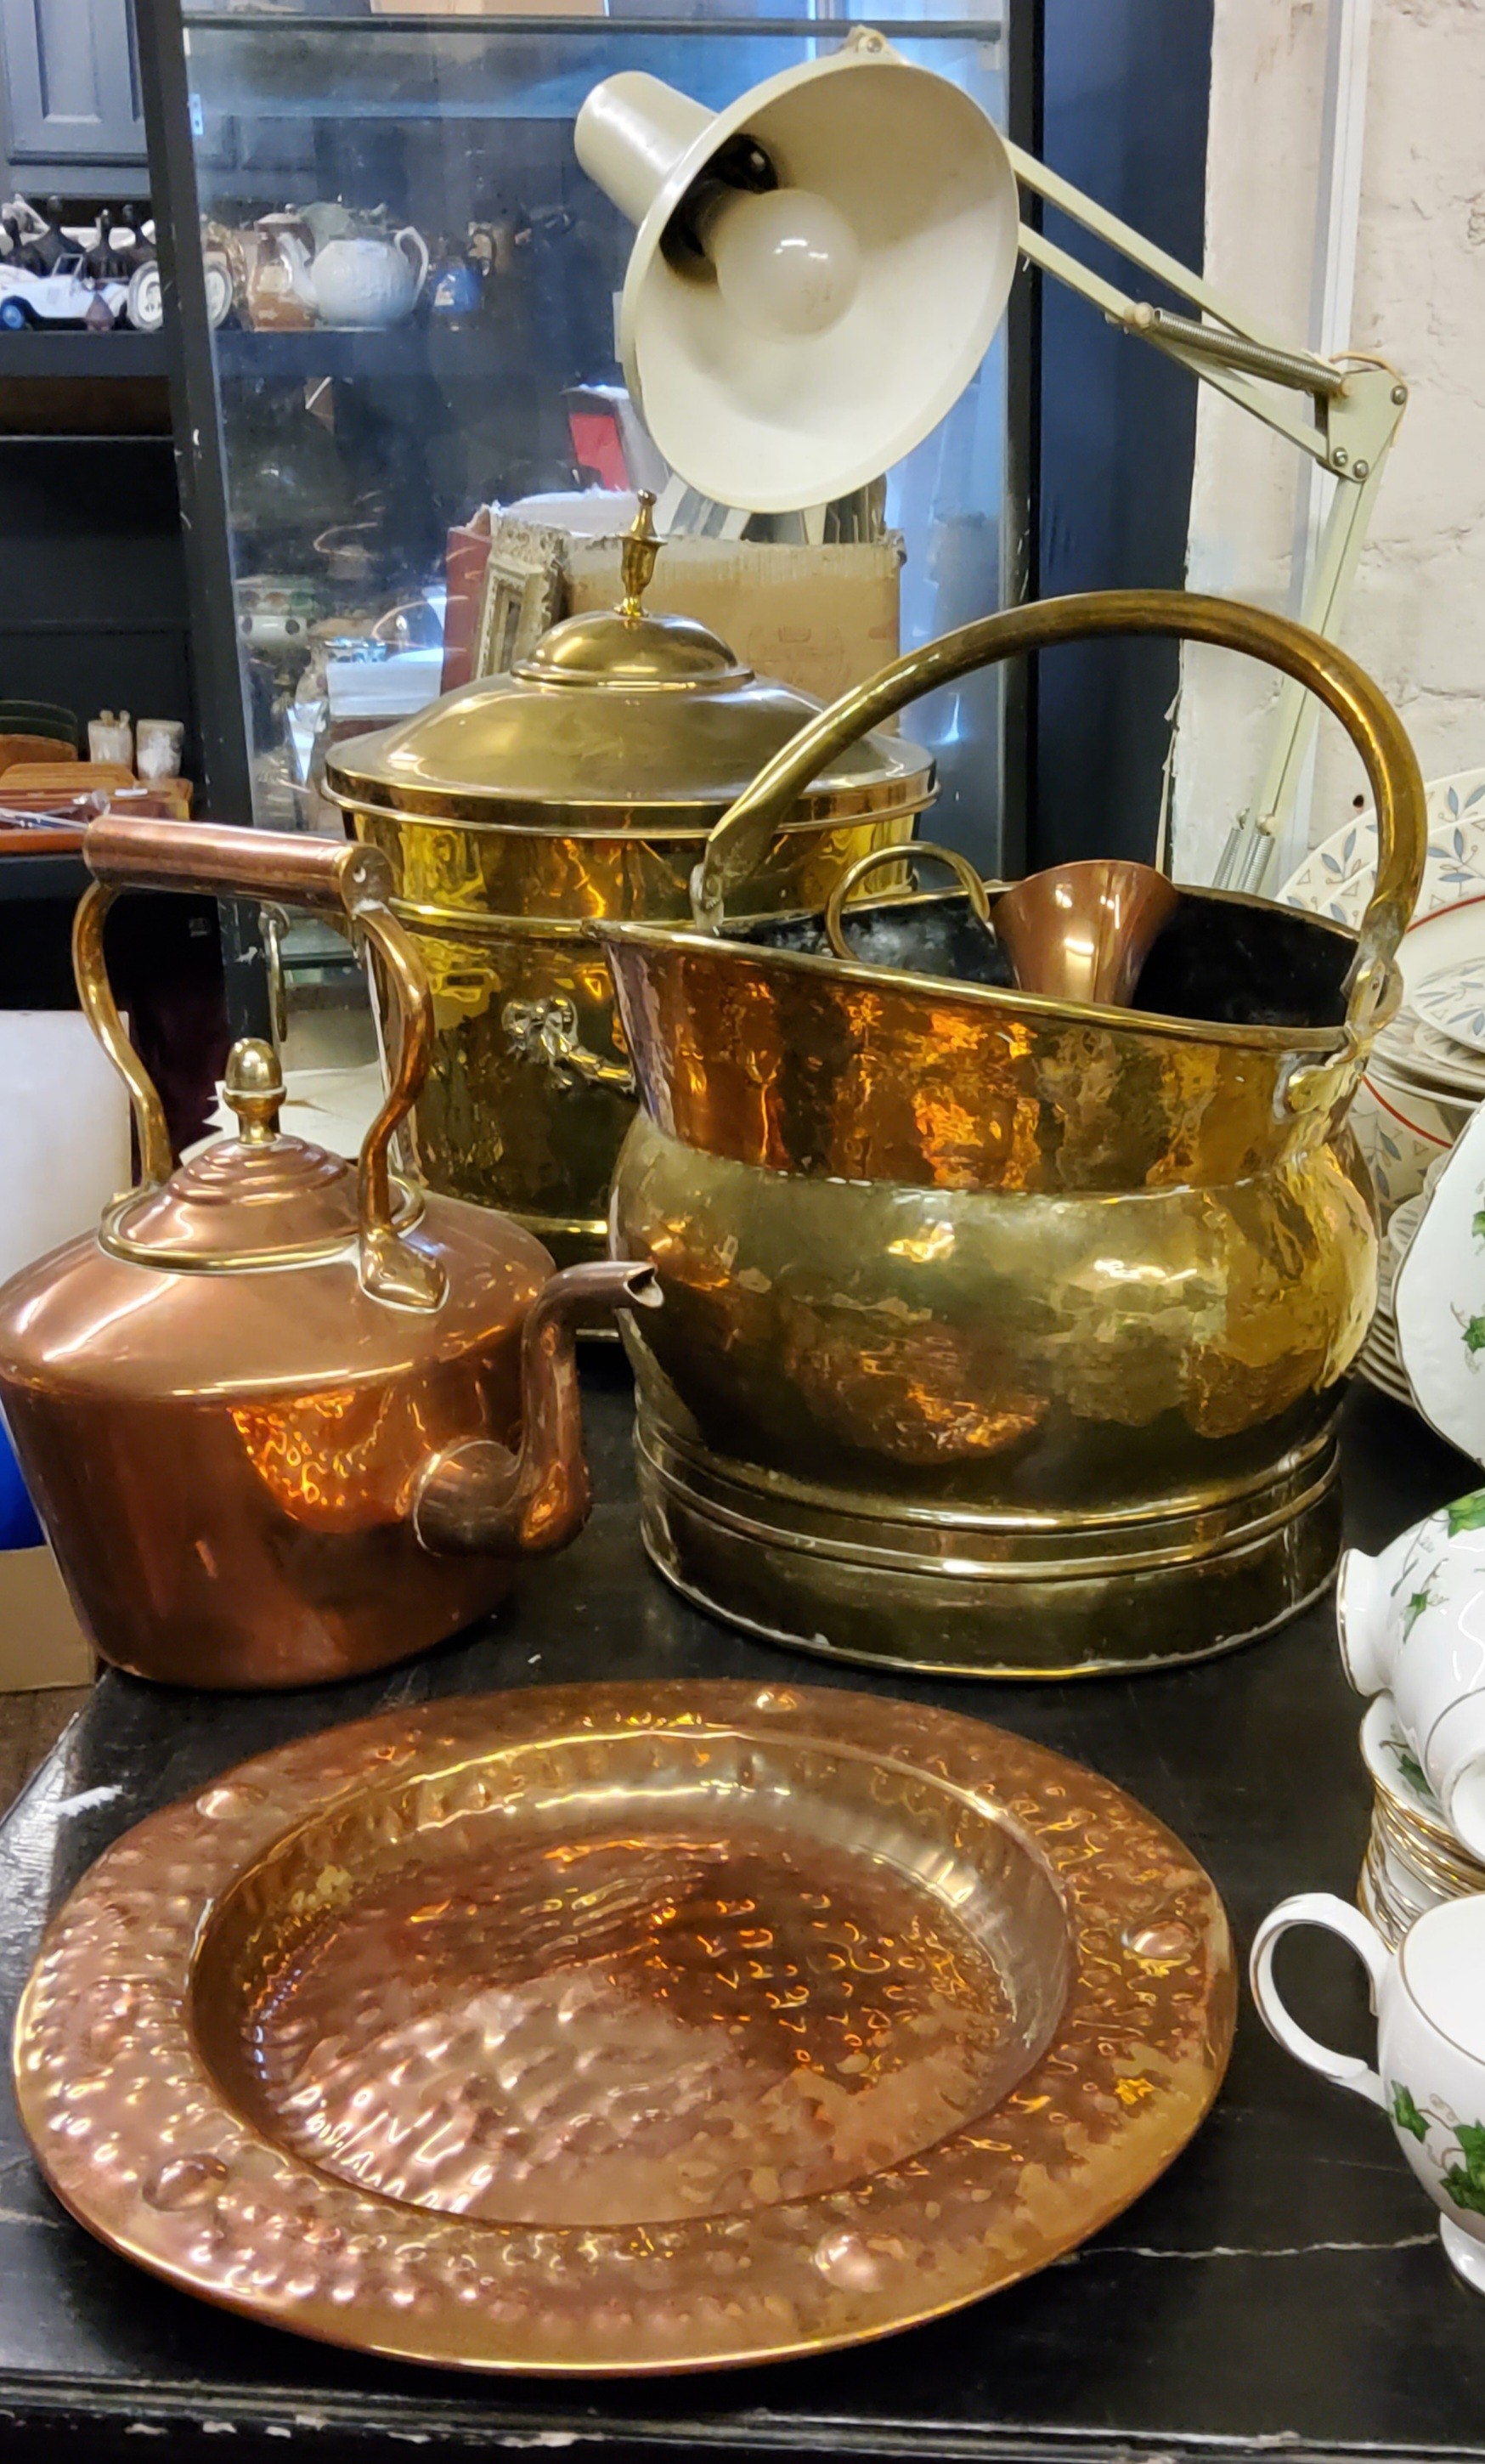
1417, 612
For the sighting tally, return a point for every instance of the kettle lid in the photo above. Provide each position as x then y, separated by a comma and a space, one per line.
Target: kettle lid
254, 1198
622, 720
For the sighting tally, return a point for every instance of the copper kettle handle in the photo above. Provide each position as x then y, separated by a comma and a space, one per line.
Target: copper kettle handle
744, 831
132, 852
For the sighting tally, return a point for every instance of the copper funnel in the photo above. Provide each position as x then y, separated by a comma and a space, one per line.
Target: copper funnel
1082, 931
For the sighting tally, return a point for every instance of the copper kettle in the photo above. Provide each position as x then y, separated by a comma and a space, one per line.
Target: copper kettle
287, 1417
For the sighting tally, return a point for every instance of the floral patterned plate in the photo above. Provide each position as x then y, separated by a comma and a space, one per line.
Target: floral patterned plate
1452, 1002
1399, 1154
1439, 1299
1450, 942
1440, 1061
1336, 877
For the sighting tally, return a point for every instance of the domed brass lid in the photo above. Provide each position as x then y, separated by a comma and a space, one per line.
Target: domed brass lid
248, 1200
619, 721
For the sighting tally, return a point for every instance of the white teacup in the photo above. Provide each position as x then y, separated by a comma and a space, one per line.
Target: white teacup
1429, 1999
1412, 1623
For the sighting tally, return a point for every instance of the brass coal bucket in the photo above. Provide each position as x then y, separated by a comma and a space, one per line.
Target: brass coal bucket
1004, 1335
523, 808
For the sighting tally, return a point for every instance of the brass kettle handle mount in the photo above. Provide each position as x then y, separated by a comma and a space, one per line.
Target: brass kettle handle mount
126, 852
739, 839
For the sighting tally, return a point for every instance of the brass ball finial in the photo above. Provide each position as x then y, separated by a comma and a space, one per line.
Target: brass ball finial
253, 1088
637, 561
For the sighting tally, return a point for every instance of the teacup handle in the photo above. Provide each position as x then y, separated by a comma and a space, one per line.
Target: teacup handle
1317, 1909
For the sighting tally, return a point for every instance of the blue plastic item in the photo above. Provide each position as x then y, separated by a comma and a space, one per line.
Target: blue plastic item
18, 1524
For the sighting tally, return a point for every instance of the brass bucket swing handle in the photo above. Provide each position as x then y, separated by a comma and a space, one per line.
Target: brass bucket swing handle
344, 879
741, 836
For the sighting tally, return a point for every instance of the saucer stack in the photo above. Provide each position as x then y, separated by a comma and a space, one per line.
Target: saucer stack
1380, 1360
1413, 1860
1421, 1088
1425, 1076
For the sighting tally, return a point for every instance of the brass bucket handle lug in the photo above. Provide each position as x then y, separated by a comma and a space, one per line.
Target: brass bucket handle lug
1327, 1084
739, 839
873, 861
341, 878
547, 1031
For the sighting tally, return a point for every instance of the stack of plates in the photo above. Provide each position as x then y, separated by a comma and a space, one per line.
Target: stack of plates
1427, 1073
1380, 1360
1413, 1860
1425, 1078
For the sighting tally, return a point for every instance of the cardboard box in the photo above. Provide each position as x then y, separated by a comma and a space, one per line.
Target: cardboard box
41, 1643
822, 619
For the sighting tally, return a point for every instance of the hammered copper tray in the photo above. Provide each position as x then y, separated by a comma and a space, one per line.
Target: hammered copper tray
626, 2028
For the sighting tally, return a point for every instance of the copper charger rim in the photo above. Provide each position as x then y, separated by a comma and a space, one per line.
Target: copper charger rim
1043, 1798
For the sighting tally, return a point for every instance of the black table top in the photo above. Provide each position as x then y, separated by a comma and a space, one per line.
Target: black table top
1281, 2287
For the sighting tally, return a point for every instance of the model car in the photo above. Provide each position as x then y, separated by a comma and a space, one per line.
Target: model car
64, 297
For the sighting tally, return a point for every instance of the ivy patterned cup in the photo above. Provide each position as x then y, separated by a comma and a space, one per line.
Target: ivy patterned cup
1412, 1623
1429, 1999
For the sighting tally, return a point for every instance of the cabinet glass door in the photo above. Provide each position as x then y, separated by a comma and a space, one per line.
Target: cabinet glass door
421, 287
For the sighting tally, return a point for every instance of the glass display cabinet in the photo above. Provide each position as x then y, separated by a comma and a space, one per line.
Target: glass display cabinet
398, 329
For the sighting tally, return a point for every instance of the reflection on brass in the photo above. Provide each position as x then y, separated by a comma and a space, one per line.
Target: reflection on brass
625, 2029
519, 811
1082, 932
1003, 1334
285, 1417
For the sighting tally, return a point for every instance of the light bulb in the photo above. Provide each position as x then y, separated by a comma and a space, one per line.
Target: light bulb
786, 260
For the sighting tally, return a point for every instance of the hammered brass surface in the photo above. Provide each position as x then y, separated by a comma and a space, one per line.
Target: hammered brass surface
954, 1272
942, 1427
520, 809
505, 919
625, 2029
824, 1067
980, 1273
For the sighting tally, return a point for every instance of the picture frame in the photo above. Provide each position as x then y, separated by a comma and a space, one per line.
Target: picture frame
522, 593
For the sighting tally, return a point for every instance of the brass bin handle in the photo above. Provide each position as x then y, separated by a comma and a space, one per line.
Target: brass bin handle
740, 837
873, 861
214, 860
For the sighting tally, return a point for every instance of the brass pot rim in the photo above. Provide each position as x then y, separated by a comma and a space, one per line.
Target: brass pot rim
998, 998
688, 818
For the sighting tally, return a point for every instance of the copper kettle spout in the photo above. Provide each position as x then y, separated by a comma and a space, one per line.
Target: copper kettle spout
481, 1497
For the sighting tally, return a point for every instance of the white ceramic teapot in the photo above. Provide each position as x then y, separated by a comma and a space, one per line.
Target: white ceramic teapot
362, 278
1412, 1623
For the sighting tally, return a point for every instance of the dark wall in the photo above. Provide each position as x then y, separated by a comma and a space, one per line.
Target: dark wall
1124, 102
93, 610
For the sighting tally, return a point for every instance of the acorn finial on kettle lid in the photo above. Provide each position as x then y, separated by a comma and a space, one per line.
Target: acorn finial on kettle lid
637, 559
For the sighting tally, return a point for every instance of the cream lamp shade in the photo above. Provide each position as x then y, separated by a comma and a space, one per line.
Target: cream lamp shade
817, 271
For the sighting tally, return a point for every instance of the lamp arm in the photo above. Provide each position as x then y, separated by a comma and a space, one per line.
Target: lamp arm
1210, 351
1139, 250
1248, 857
1357, 406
